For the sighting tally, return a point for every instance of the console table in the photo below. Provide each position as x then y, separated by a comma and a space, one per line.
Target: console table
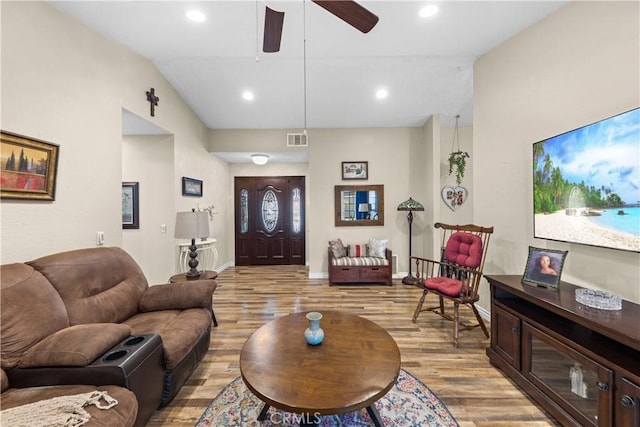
207, 255
581, 364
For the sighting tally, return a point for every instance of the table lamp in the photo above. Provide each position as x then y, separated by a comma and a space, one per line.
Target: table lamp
191, 225
363, 210
410, 206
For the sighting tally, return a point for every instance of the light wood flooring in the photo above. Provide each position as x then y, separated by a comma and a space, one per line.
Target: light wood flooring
476, 393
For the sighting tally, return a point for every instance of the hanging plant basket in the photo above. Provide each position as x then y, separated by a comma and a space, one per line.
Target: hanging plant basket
457, 164
457, 159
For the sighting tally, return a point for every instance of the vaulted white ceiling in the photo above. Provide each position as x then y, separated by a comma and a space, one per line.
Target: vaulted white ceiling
425, 64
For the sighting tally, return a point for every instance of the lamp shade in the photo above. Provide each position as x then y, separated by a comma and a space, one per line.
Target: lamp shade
410, 205
363, 207
191, 225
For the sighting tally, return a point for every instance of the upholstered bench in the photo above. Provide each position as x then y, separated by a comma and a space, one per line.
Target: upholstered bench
357, 266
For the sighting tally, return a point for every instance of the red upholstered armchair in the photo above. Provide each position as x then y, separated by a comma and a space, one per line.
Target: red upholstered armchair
456, 277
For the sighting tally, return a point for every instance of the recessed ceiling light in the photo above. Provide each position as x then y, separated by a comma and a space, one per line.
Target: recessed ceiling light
196, 15
428, 11
382, 93
247, 95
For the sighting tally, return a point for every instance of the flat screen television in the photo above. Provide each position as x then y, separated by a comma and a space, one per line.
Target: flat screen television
586, 184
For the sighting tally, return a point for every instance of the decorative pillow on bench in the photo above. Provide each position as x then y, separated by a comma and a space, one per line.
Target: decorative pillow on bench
377, 248
358, 251
337, 248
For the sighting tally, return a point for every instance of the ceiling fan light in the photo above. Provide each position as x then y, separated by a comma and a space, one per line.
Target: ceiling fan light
260, 159
195, 15
428, 11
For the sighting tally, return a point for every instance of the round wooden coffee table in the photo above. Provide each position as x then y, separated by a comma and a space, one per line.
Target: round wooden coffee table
357, 363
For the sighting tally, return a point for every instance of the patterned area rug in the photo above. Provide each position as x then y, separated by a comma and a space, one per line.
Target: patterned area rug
408, 403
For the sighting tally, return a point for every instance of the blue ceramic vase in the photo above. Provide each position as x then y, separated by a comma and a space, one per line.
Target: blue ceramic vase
314, 333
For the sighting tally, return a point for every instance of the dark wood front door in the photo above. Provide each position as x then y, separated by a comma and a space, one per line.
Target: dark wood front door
269, 220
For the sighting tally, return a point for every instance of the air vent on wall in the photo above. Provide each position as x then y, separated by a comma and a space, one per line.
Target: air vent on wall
297, 140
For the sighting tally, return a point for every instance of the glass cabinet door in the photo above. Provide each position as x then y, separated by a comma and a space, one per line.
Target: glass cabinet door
578, 384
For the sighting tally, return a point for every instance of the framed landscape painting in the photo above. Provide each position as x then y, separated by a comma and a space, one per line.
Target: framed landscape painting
28, 167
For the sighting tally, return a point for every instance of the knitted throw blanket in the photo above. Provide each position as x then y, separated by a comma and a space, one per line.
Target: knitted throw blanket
63, 411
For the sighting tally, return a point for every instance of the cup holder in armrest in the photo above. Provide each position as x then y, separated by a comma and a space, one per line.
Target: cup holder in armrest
115, 355
134, 340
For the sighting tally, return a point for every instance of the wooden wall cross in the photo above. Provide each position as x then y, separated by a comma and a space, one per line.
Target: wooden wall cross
153, 100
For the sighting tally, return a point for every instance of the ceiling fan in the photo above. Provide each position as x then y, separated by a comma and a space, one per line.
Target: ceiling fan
348, 10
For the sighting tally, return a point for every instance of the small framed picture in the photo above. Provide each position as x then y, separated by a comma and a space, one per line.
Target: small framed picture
191, 187
544, 267
130, 206
355, 170
29, 168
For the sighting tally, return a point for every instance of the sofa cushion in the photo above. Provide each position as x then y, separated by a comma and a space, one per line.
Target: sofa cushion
30, 310
75, 346
122, 415
359, 261
337, 248
180, 330
97, 285
377, 248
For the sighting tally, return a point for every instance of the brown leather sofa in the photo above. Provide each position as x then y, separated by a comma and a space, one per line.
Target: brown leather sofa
89, 317
123, 414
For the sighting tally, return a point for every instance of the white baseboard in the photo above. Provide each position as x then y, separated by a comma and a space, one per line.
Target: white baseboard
223, 267
486, 315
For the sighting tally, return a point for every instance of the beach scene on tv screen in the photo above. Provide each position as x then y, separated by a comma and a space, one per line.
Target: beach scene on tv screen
586, 184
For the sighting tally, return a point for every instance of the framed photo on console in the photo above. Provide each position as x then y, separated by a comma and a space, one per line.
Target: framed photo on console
544, 267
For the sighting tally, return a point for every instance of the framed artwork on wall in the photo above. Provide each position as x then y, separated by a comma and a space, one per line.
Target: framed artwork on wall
191, 187
29, 167
355, 170
130, 206
544, 267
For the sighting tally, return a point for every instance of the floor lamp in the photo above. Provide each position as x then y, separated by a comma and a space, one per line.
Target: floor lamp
192, 225
410, 206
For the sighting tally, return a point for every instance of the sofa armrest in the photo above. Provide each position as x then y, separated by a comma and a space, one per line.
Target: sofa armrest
178, 296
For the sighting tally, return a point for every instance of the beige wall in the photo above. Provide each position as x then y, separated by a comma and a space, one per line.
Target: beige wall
145, 160
577, 66
64, 83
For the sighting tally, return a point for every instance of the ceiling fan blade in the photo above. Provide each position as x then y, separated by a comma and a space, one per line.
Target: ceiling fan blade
273, 21
351, 13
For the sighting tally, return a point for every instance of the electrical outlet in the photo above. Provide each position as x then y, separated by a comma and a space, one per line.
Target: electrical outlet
99, 238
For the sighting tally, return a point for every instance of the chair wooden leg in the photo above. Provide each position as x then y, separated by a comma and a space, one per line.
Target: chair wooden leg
456, 323
442, 306
419, 307
480, 321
